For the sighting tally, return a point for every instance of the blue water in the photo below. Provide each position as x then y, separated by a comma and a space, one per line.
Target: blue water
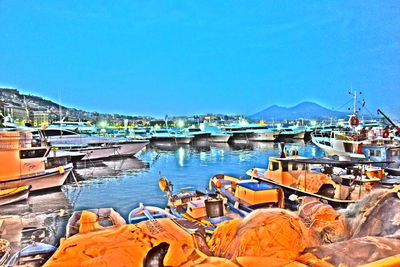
124, 183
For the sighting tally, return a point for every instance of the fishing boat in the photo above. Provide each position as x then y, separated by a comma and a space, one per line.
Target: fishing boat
247, 194
338, 143
12, 195
28, 163
293, 173
207, 209
384, 153
144, 213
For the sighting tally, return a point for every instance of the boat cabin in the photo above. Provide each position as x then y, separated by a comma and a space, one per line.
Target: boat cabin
21, 153
383, 153
286, 172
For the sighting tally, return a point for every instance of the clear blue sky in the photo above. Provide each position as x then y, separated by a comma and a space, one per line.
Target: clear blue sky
188, 57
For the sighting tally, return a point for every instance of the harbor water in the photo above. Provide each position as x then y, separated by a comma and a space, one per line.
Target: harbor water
124, 183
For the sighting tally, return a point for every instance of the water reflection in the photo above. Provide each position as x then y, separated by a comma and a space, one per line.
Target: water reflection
109, 168
47, 210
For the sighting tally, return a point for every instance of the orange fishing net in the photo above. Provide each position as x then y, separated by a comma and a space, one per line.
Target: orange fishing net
271, 233
325, 224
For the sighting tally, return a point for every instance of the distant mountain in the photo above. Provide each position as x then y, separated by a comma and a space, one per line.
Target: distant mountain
304, 110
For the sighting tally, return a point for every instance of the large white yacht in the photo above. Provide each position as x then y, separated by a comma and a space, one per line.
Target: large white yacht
163, 135
93, 146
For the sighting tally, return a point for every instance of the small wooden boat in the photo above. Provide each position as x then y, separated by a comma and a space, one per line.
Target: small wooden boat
89, 220
144, 213
247, 194
12, 195
207, 209
33, 255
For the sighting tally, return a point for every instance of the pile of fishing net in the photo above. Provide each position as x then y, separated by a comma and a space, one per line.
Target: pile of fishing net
371, 233
324, 223
275, 236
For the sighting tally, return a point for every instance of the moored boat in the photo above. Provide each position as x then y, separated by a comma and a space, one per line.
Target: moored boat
197, 133
28, 163
89, 220
12, 195
246, 195
219, 138
166, 136
207, 209
294, 175
95, 147
337, 143
144, 213
34, 255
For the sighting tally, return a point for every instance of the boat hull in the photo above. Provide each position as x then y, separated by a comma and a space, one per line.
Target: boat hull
50, 178
299, 135
12, 198
172, 139
330, 151
219, 138
201, 136
288, 190
239, 137
183, 140
129, 149
98, 153
262, 136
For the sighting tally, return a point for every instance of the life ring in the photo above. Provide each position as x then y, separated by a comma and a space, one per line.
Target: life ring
385, 133
354, 121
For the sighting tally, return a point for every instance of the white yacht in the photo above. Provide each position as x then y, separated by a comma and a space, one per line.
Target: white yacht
217, 135
163, 135
76, 126
198, 133
261, 133
251, 132
93, 146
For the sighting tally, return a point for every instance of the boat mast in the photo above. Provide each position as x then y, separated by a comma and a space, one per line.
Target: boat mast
355, 102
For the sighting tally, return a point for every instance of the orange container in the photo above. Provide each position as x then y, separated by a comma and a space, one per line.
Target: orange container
196, 209
255, 193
